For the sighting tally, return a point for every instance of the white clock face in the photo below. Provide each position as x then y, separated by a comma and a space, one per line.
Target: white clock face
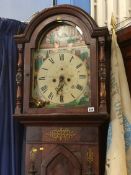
62, 78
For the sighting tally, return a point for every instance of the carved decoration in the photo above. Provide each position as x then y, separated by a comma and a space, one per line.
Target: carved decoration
19, 81
32, 170
90, 162
102, 76
37, 103
61, 134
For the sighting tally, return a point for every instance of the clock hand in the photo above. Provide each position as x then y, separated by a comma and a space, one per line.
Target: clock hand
61, 84
60, 87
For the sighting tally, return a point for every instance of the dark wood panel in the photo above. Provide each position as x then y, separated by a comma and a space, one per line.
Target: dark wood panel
62, 134
77, 159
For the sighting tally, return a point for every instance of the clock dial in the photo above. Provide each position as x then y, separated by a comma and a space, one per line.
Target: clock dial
62, 78
61, 68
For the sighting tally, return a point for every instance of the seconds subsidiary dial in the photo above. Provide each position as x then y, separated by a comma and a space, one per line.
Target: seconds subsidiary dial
62, 78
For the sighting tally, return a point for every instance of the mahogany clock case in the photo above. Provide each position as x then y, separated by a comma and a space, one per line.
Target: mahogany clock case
65, 114
94, 38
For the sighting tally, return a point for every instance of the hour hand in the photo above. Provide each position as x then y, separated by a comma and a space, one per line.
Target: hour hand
61, 84
60, 92
60, 88
61, 98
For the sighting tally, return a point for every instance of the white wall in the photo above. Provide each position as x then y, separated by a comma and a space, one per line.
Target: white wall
105, 8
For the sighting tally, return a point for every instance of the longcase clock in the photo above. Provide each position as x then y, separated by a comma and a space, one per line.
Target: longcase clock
62, 92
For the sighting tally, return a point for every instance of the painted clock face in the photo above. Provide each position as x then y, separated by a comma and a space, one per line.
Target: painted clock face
62, 78
61, 68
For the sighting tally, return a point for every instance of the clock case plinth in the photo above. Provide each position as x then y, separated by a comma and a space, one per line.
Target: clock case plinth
86, 155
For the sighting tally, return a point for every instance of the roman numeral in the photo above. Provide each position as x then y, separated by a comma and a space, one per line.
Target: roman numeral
71, 59
78, 66
44, 68
51, 60
79, 87
44, 88
50, 96
72, 95
61, 57
61, 98
42, 78
82, 76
